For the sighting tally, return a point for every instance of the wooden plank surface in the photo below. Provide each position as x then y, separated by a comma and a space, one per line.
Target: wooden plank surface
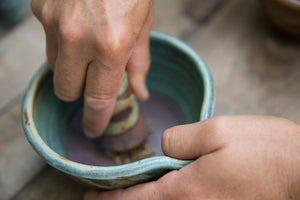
256, 71
22, 51
170, 18
18, 161
52, 184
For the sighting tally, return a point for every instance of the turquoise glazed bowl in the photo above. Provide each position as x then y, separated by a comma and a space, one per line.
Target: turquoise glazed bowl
176, 71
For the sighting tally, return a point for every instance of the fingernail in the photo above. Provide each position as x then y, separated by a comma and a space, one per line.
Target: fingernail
89, 134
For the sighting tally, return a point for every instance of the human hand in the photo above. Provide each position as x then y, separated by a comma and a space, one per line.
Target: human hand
237, 157
89, 45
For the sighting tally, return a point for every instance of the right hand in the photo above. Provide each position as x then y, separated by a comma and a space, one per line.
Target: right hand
90, 43
237, 157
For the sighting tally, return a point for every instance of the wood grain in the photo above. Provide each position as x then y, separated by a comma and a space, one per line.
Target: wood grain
18, 161
52, 184
22, 51
256, 70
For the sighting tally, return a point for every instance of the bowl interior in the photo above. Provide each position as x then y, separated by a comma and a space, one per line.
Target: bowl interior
173, 73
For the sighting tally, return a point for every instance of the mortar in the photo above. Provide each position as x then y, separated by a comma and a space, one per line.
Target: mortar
181, 85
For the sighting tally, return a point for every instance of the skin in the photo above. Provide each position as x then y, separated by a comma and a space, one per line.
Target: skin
236, 157
89, 45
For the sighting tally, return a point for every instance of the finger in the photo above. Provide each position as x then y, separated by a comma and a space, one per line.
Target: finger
70, 71
51, 47
45, 14
36, 6
164, 188
139, 62
44, 10
193, 140
100, 94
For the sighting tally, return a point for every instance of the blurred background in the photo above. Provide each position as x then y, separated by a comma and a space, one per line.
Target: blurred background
252, 48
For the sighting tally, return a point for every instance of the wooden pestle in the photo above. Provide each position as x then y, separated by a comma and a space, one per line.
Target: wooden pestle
127, 128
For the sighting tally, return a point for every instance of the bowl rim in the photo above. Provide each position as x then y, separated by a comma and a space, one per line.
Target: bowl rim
126, 170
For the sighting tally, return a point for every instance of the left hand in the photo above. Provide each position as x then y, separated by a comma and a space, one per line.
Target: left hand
237, 157
89, 45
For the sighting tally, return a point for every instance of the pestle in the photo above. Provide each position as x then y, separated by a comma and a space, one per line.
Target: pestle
127, 128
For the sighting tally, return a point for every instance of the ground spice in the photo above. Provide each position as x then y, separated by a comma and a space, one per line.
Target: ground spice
140, 152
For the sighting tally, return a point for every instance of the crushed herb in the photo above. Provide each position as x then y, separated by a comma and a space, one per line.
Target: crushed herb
140, 152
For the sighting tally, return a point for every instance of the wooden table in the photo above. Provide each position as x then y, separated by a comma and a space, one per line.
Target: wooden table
256, 71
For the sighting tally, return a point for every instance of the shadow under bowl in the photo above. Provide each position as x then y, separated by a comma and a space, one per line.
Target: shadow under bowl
284, 14
176, 71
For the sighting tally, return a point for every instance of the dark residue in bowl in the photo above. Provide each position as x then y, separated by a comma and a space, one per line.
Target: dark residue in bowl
160, 113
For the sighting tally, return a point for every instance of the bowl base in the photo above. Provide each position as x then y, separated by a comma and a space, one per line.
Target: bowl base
160, 113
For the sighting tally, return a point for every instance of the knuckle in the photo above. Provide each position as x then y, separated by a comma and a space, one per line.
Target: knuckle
216, 122
46, 16
98, 103
140, 64
44, 12
168, 133
218, 125
168, 138
69, 30
112, 43
34, 6
65, 94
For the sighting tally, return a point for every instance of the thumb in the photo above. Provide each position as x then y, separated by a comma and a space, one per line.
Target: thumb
192, 140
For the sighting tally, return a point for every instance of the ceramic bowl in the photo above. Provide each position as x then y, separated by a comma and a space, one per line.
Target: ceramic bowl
284, 14
176, 70
13, 11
